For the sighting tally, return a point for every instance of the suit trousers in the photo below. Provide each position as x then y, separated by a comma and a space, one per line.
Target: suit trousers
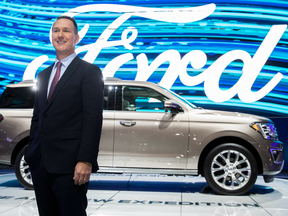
57, 195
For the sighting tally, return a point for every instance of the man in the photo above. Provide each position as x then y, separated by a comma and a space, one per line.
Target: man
65, 127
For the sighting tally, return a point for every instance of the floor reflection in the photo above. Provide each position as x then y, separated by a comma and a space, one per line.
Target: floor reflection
144, 194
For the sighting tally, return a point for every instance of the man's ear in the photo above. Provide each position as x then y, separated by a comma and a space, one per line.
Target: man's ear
77, 39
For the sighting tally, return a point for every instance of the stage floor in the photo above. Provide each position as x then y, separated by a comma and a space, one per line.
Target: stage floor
151, 195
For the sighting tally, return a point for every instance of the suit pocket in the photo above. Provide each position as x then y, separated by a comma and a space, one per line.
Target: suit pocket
71, 134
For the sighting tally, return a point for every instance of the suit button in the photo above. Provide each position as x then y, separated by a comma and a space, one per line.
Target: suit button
42, 135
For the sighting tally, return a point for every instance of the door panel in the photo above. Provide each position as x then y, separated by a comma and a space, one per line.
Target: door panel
105, 156
145, 135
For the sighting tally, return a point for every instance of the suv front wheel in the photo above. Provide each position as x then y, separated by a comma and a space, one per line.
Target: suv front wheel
22, 171
230, 169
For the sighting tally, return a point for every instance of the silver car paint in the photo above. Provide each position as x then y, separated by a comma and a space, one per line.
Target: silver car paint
164, 141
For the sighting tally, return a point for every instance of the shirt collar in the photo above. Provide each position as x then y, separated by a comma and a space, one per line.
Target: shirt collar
66, 61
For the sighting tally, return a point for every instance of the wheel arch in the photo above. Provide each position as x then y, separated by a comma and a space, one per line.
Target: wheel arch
228, 139
21, 144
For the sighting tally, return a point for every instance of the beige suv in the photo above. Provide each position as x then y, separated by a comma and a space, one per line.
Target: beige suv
149, 129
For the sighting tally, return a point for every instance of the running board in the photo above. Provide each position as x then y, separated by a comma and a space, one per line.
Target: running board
147, 171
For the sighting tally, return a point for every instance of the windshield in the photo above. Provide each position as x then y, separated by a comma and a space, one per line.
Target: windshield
181, 98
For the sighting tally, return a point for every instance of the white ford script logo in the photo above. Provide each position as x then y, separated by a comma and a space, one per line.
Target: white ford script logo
252, 66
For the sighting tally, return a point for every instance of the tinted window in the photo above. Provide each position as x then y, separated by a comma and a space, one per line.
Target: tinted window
136, 98
22, 97
109, 97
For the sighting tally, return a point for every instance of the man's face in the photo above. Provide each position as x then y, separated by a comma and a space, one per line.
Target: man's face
64, 38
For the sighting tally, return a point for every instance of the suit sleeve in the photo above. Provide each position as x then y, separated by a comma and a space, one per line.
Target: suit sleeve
92, 99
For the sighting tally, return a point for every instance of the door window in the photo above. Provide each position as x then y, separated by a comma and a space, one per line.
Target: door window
142, 99
109, 97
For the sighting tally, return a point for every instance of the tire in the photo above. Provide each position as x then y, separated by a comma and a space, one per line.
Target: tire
22, 171
230, 169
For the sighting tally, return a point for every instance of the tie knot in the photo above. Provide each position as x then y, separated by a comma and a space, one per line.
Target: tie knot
59, 64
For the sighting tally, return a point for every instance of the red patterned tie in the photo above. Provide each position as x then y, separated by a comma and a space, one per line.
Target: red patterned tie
55, 80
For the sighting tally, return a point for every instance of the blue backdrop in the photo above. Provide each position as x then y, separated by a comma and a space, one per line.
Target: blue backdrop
241, 25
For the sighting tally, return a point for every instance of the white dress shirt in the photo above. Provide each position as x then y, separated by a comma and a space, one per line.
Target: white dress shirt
65, 63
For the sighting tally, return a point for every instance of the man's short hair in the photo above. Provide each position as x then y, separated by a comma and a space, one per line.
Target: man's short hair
69, 18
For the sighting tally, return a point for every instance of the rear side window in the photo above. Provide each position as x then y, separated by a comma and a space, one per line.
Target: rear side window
22, 97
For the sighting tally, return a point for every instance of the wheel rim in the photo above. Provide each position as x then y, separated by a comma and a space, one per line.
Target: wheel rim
25, 172
231, 170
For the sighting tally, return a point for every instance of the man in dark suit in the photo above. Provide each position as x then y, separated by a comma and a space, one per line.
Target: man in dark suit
65, 127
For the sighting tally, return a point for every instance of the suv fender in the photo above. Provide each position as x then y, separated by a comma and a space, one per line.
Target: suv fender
228, 139
21, 140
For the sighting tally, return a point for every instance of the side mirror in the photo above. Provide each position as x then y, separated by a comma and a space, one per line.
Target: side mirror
173, 106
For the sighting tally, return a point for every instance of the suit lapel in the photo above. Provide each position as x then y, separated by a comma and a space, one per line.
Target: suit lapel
65, 77
43, 83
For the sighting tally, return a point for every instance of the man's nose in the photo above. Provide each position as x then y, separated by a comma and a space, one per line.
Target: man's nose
60, 34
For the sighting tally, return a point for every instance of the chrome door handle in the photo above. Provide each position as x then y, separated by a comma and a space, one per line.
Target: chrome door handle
127, 123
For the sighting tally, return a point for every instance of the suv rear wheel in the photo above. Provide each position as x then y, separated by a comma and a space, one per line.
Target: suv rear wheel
230, 169
22, 171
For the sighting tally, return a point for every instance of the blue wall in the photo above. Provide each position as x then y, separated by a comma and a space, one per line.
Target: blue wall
241, 25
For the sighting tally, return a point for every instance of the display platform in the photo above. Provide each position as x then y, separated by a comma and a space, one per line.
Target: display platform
149, 195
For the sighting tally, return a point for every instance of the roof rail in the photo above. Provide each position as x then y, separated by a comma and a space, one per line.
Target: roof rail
25, 81
28, 81
112, 79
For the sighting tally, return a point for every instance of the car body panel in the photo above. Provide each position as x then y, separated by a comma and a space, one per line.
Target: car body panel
163, 142
105, 156
157, 140
14, 128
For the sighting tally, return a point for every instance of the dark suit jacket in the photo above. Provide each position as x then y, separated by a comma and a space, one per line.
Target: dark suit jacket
67, 129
